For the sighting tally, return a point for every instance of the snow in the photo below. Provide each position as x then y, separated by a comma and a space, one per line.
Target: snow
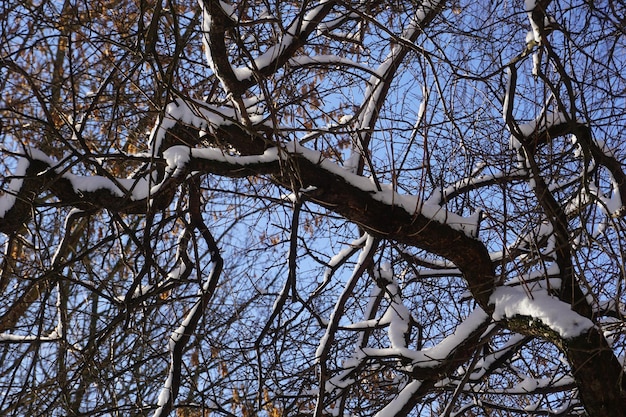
397, 315
376, 84
611, 204
215, 154
342, 255
536, 63
531, 384
295, 197
395, 406
166, 391
14, 338
345, 378
273, 52
7, 199
528, 384
484, 364
345, 119
513, 302
548, 278
328, 25
536, 234
530, 6
542, 123
136, 188
431, 357
193, 113
412, 204
165, 394
421, 14
200, 115
507, 94
175, 157
206, 28
207, 20
56, 258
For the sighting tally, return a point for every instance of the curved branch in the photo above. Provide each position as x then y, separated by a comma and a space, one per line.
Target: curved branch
180, 337
237, 81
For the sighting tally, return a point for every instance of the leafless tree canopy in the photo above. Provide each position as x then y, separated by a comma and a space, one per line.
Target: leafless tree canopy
313, 208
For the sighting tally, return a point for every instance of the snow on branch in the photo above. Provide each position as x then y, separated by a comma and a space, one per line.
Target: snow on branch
431, 357
426, 364
396, 406
276, 55
179, 338
384, 212
613, 203
474, 182
397, 316
339, 259
558, 316
177, 155
15, 338
216, 18
9, 196
364, 257
37, 172
325, 343
543, 122
378, 85
328, 60
552, 124
45, 168
201, 116
421, 365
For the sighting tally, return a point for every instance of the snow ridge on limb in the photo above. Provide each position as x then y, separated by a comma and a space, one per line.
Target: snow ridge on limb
383, 213
398, 405
40, 173
202, 120
542, 308
268, 162
420, 363
36, 172
178, 341
339, 259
